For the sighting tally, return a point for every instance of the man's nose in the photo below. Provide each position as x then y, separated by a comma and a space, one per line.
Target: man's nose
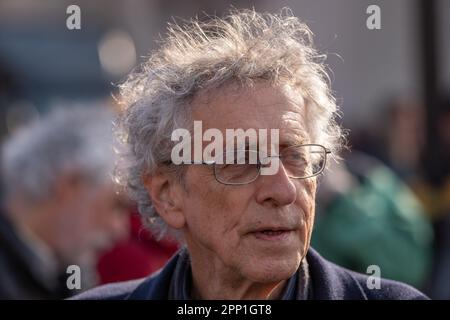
276, 189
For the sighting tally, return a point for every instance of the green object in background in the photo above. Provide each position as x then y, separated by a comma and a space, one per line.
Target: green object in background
381, 223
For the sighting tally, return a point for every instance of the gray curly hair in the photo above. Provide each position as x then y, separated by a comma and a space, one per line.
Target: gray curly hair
243, 47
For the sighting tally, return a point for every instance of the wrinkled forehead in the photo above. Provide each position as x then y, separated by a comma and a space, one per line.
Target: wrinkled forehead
261, 106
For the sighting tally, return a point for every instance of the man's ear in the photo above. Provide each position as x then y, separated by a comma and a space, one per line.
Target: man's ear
166, 196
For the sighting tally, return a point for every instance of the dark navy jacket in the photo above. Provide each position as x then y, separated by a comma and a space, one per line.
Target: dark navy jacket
329, 281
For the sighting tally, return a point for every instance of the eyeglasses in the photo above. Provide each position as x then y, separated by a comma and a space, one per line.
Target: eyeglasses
300, 162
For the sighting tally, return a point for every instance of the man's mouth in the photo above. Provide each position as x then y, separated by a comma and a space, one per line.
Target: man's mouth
271, 234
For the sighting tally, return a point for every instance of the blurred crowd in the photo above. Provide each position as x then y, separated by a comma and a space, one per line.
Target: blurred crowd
60, 207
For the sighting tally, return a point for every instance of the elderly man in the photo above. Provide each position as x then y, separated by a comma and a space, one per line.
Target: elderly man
246, 227
60, 204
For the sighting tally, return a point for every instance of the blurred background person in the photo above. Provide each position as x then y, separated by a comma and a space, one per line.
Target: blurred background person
60, 204
397, 136
434, 193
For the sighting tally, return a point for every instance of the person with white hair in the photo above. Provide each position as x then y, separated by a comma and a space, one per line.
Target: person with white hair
60, 205
245, 230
